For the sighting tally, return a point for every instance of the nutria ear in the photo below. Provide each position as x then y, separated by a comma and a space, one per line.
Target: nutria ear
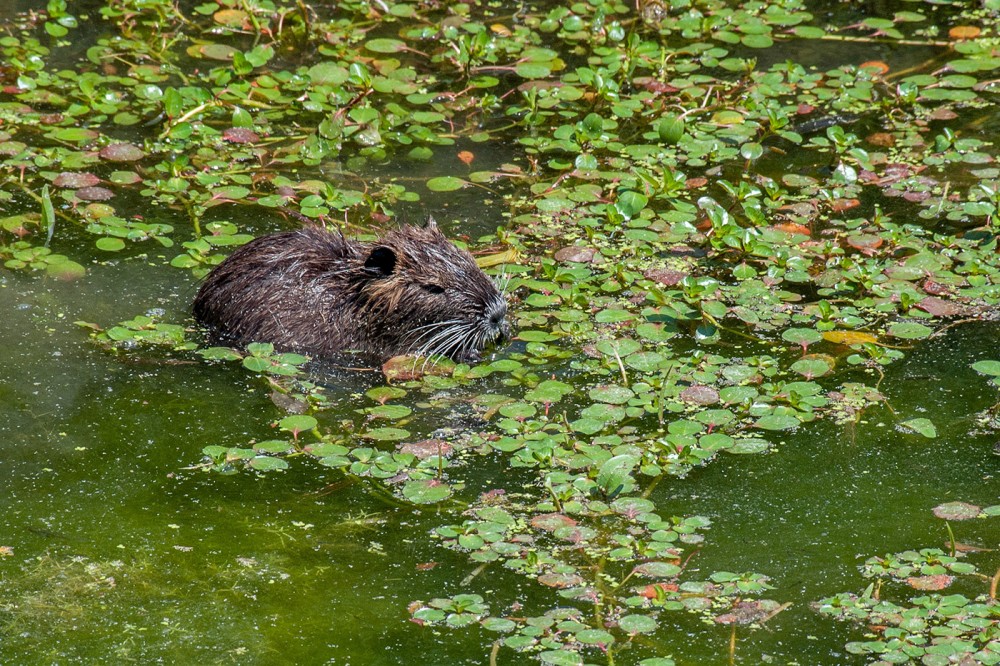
431, 223
380, 262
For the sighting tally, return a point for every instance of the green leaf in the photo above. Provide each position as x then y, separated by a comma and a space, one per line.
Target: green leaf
268, 464
383, 45
991, 368
637, 624
426, 491
561, 658
297, 423
670, 129
615, 472
445, 184
110, 244
921, 426
910, 331
629, 203
777, 422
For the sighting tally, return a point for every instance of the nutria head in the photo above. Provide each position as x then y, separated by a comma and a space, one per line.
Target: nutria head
425, 296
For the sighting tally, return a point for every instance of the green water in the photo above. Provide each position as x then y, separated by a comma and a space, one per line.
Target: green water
119, 549
120, 553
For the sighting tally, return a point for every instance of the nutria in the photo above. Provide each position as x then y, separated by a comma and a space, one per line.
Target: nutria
317, 292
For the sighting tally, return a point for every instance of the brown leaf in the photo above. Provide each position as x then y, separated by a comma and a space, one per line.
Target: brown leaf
665, 276
94, 193
427, 448
408, 368
560, 580
700, 395
956, 511
840, 205
793, 228
466, 157
240, 135
577, 254
550, 522
122, 152
942, 308
882, 139
865, 243
74, 180
875, 66
964, 32
653, 590
930, 583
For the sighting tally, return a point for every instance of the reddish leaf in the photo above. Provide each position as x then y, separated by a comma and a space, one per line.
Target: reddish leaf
665, 276
964, 32
122, 152
930, 583
956, 511
875, 66
575, 253
700, 395
560, 580
74, 180
240, 135
427, 448
550, 522
94, 193
840, 205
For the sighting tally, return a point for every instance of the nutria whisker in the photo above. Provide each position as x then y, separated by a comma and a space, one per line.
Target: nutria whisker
317, 292
435, 336
442, 342
432, 329
450, 343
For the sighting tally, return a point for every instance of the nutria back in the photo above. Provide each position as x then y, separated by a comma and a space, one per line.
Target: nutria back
317, 292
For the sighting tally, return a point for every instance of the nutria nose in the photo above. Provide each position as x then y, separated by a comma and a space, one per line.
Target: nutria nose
497, 316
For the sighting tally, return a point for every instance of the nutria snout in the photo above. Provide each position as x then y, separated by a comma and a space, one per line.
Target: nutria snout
315, 291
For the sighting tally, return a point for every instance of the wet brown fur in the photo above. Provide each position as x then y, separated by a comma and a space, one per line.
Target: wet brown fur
317, 292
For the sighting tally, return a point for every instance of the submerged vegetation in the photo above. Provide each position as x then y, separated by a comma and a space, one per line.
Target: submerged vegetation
721, 225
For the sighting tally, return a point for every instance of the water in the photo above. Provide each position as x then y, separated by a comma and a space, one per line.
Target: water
122, 549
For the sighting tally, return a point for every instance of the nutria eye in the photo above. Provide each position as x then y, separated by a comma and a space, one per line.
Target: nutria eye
433, 288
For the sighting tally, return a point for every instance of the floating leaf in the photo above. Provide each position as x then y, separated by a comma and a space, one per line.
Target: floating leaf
268, 464
615, 472
382, 45
75, 180
110, 244
910, 330
297, 423
849, 337
921, 426
777, 422
802, 336
657, 570
637, 624
561, 658
122, 152
615, 395
445, 184
991, 368
426, 491
957, 511
812, 367
930, 583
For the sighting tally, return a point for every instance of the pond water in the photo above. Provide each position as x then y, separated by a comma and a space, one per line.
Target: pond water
122, 539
